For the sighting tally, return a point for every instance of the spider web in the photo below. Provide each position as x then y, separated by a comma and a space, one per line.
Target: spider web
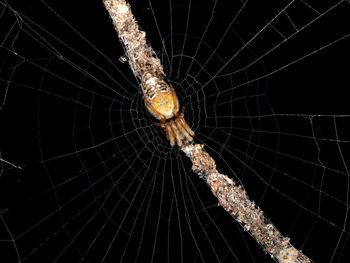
87, 177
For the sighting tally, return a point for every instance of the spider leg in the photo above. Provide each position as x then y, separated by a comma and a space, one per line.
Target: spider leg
185, 125
183, 111
170, 135
164, 125
159, 124
183, 130
176, 132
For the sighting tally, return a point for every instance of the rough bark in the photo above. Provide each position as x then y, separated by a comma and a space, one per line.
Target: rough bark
141, 56
234, 199
231, 197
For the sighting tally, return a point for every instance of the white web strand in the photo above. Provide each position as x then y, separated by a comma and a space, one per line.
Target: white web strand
263, 88
232, 198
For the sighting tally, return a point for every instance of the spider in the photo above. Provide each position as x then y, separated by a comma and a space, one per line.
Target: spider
161, 101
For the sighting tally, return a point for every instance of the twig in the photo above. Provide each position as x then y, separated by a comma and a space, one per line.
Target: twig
141, 56
234, 199
231, 197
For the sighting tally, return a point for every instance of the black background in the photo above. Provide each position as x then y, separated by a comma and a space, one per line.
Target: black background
47, 121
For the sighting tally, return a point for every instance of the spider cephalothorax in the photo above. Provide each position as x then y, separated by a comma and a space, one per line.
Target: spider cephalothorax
161, 101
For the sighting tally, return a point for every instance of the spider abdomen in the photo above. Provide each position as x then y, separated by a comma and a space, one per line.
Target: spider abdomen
160, 98
164, 103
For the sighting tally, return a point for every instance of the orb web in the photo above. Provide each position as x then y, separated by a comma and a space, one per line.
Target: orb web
86, 176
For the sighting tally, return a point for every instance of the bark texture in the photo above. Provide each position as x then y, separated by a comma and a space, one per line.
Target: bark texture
231, 197
141, 56
234, 199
